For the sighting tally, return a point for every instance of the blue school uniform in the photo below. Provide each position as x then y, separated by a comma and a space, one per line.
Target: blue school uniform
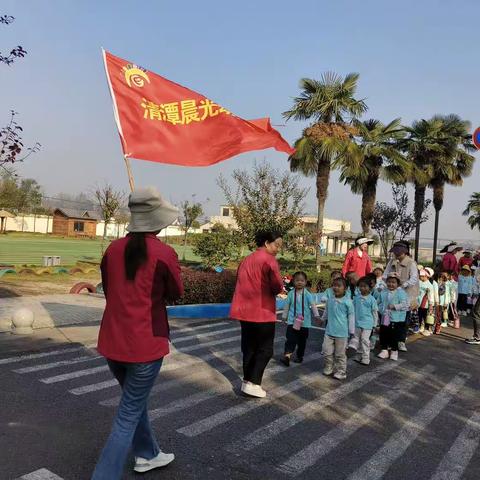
365, 308
465, 285
399, 298
304, 302
340, 316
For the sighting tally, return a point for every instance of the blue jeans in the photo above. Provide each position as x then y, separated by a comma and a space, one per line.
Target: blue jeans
131, 427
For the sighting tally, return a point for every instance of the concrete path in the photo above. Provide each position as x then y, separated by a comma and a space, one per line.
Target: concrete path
53, 310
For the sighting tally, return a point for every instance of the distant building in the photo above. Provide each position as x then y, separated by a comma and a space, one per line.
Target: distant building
336, 233
74, 223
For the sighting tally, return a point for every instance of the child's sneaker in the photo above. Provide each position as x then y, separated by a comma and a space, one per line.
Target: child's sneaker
253, 390
383, 354
394, 355
421, 329
416, 329
402, 347
340, 376
361, 362
444, 324
426, 333
327, 371
298, 359
473, 341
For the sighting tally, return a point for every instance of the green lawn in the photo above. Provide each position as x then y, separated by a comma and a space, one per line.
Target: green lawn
28, 249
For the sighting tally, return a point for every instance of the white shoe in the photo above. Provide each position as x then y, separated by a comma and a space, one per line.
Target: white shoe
249, 388
383, 354
340, 376
426, 333
394, 355
327, 371
402, 347
421, 329
161, 460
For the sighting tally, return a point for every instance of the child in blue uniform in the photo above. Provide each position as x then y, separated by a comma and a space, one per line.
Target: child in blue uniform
366, 319
340, 317
393, 306
298, 310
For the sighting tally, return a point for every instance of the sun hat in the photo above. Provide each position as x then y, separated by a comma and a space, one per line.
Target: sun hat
378, 267
149, 211
362, 240
420, 267
394, 275
399, 247
423, 273
466, 267
430, 271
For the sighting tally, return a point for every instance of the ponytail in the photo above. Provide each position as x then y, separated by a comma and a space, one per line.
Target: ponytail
135, 254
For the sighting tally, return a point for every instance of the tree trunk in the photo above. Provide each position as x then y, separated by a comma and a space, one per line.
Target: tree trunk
438, 192
184, 245
323, 177
105, 228
418, 212
369, 196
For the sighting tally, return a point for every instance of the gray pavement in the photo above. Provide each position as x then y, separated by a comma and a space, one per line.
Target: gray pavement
418, 418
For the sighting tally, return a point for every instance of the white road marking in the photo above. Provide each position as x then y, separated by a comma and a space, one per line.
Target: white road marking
196, 336
298, 415
47, 366
75, 374
163, 386
310, 455
42, 474
34, 356
456, 460
192, 348
380, 462
219, 418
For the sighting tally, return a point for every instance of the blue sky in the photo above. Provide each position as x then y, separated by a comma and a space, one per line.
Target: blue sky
415, 59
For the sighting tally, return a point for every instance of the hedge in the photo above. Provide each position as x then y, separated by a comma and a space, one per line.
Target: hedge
207, 286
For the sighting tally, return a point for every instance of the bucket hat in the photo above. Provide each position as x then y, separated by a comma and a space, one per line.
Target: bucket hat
149, 211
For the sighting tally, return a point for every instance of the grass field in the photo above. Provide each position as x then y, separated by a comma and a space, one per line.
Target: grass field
28, 249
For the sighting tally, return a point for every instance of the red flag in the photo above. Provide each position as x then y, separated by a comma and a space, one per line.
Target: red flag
161, 121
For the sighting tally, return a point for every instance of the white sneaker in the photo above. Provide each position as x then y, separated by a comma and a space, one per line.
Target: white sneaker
383, 354
402, 347
249, 388
161, 460
426, 333
421, 329
394, 355
340, 376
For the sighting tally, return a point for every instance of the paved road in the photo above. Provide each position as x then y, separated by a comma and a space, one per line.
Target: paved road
415, 419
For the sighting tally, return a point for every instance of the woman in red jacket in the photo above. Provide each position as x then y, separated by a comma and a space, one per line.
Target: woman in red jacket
139, 274
254, 304
357, 259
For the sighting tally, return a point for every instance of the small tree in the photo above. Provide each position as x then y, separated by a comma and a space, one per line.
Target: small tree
191, 211
15, 53
109, 202
264, 199
300, 243
216, 248
395, 222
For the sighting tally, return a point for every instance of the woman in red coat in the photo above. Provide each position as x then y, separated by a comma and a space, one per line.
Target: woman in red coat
357, 259
139, 274
254, 304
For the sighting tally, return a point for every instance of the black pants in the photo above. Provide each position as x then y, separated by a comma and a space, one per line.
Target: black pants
257, 349
403, 328
296, 339
476, 319
422, 316
462, 302
390, 336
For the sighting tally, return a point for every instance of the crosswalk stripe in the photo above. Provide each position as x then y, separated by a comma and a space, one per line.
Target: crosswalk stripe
48, 366
104, 368
42, 474
198, 327
196, 336
163, 386
219, 418
377, 466
298, 415
461, 452
310, 455
33, 356
75, 374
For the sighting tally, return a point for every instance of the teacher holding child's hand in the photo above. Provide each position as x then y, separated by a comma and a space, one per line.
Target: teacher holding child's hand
254, 304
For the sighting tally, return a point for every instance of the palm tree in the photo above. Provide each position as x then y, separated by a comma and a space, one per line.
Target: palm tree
473, 210
372, 156
421, 146
330, 104
453, 164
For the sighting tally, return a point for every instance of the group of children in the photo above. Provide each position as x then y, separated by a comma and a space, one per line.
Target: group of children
356, 309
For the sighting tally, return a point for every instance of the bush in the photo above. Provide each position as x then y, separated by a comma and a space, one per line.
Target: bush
207, 286
216, 248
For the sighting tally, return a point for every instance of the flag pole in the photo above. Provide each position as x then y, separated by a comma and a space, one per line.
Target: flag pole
129, 173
